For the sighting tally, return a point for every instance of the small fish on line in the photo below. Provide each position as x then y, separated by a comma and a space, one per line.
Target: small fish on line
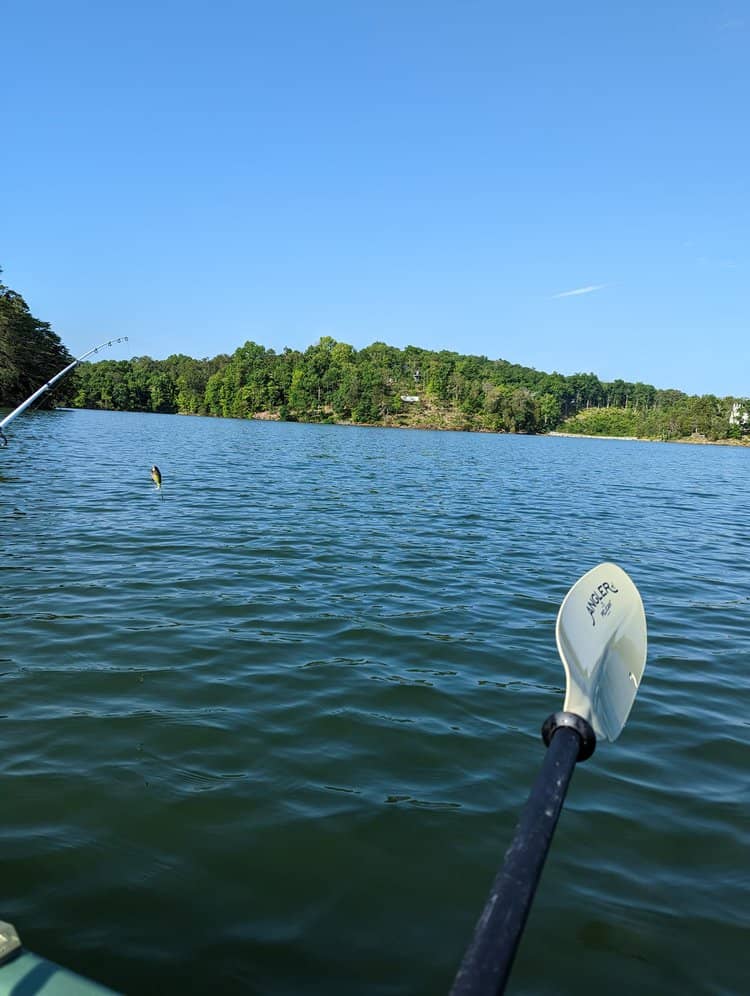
156, 476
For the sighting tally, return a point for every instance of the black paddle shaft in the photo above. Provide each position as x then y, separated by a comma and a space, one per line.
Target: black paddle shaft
486, 965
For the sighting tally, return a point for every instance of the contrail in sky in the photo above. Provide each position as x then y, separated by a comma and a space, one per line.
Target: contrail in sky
580, 290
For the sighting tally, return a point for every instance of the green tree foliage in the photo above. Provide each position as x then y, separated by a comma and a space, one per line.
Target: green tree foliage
604, 422
678, 417
380, 384
331, 381
177, 384
30, 353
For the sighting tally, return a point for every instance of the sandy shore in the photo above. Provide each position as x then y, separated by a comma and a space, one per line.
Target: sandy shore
691, 440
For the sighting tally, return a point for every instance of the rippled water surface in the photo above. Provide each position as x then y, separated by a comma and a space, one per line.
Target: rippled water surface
270, 730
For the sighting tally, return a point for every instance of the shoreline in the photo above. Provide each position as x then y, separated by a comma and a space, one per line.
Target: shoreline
268, 416
687, 440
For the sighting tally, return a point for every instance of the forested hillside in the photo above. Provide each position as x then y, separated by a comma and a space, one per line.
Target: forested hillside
380, 384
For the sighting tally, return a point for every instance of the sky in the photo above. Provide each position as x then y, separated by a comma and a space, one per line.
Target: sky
560, 185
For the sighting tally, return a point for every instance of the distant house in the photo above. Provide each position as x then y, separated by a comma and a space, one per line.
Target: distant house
411, 398
738, 415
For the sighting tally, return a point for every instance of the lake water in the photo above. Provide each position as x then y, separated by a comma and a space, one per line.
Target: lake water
270, 730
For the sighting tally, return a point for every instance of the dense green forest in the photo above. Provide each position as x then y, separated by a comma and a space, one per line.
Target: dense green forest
333, 382
30, 352
380, 384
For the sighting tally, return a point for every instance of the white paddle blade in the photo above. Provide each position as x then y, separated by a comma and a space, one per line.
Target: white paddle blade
601, 638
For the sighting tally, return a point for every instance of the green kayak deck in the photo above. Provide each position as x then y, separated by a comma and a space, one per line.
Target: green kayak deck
26, 974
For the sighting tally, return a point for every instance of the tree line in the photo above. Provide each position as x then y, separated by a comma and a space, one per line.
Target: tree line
332, 381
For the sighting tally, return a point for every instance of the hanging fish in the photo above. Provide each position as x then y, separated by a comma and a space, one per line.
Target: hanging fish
156, 477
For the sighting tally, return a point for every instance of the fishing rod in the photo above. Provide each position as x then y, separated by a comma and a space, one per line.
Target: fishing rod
45, 387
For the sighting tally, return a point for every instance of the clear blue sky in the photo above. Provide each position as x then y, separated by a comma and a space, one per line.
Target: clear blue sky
562, 185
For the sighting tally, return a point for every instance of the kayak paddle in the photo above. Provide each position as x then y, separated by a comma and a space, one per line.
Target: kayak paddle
601, 638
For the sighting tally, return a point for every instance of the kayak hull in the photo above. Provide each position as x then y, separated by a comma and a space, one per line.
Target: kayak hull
26, 972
